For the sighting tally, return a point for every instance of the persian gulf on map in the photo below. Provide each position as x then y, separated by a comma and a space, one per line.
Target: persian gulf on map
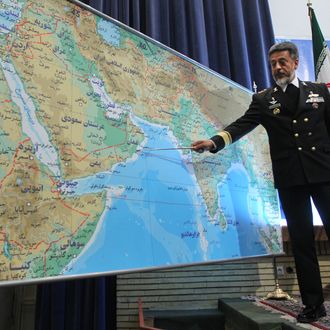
83, 103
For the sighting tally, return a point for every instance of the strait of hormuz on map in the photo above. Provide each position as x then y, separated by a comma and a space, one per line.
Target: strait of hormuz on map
84, 103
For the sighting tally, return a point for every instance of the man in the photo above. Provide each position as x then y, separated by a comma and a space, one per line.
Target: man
296, 116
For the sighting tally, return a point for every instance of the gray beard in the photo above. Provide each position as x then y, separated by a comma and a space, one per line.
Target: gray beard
282, 82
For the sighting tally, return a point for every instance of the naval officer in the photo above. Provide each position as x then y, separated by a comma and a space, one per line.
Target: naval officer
296, 116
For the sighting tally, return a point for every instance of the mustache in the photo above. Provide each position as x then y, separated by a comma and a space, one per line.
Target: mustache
280, 75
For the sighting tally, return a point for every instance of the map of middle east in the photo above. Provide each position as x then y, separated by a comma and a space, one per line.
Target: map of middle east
85, 104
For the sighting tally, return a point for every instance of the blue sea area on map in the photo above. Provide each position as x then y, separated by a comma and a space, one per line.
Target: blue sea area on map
154, 221
235, 194
109, 31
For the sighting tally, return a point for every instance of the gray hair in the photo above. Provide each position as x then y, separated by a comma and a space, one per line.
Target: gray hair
282, 46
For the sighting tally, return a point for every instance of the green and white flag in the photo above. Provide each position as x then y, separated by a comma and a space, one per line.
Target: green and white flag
320, 50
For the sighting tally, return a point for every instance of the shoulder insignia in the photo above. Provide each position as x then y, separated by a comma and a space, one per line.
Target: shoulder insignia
311, 83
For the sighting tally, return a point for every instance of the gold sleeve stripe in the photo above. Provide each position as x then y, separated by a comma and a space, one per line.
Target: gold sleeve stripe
226, 137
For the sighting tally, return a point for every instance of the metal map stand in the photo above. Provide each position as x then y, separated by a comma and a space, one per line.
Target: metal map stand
278, 293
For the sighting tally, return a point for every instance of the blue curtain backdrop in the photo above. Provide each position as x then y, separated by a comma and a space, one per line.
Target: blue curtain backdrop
87, 304
229, 36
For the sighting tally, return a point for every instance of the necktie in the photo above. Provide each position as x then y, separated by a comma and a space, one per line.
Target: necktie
293, 93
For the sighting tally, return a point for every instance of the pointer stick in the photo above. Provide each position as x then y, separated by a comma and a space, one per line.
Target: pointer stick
160, 149
178, 148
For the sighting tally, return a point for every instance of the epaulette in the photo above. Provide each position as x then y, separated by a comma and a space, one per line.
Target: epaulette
307, 83
262, 91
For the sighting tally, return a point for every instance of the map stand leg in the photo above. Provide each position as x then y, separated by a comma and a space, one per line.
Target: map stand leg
278, 293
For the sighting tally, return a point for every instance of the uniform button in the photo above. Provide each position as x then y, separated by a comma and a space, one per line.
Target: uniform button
310, 133
296, 134
306, 120
313, 148
294, 121
300, 148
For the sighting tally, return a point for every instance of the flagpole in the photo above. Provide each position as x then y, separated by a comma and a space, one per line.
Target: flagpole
309, 5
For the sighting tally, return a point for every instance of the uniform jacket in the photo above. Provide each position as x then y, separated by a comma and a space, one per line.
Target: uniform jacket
298, 133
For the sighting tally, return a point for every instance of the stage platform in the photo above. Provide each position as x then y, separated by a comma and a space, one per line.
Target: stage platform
232, 314
243, 314
200, 319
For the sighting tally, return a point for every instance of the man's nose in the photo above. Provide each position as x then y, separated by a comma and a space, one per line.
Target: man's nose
278, 67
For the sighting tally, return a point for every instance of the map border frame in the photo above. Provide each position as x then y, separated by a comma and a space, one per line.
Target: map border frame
151, 268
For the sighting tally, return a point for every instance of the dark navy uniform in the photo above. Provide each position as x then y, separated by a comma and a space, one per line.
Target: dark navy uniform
298, 128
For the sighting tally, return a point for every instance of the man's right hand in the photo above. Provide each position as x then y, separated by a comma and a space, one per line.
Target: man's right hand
203, 145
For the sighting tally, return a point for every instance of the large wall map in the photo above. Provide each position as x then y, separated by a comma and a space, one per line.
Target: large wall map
84, 101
